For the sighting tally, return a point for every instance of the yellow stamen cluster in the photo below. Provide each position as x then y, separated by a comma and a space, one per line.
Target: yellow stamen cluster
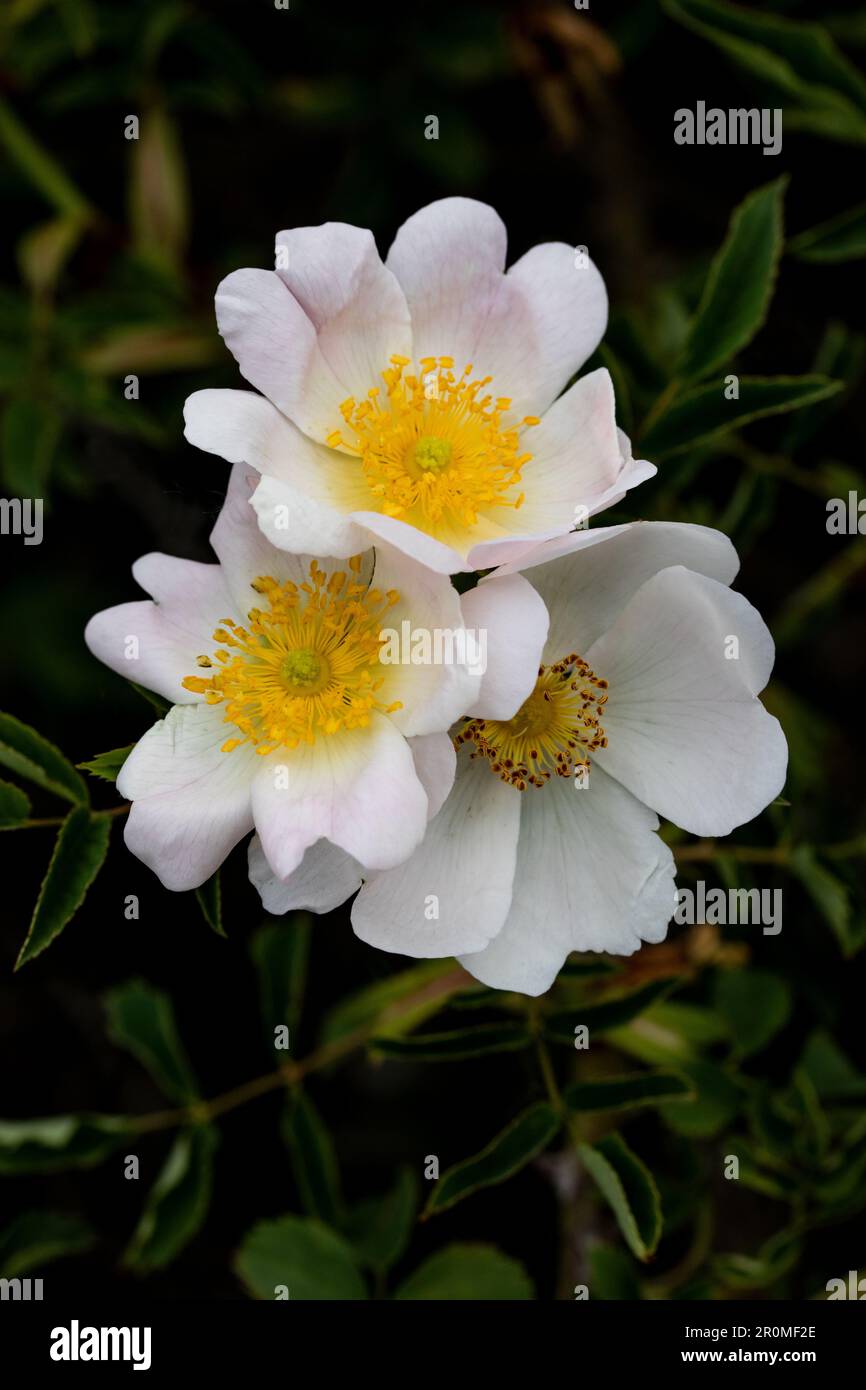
307, 664
434, 448
553, 731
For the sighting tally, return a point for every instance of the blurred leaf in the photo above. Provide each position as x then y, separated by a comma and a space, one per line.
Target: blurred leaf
159, 196
24, 751
455, 1045
829, 895
612, 1275
460, 1273
107, 765
31, 433
521, 1140
39, 167
280, 950
394, 1006
740, 284
44, 251
716, 1103
830, 1071
380, 1227
141, 1019
611, 1013
307, 1258
152, 348
756, 1004
799, 61
177, 1203
155, 701
62, 1141
628, 1187
78, 855
35, 1238
774, 1259
210, 899
626, 1092
705, 412
841, 238
14, 806
314, 1160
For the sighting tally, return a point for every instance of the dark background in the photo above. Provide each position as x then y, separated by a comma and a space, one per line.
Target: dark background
564, 122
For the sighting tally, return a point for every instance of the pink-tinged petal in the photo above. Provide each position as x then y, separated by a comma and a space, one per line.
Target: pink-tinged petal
243, 550
587, 577
428, 661
591, 875
359, 790
556, 329
435, 763
156, 644
355, 304
191, 802
686, 733
135, 640
449, 258
454, 893
443, 559
514, 622
295, 521
276, 347
326, 877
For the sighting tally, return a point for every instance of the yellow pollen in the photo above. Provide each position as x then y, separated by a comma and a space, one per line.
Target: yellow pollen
306, 663
554, 730
434, 447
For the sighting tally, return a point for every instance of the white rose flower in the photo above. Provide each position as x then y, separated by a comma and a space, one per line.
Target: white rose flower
284, 716
419, 399
645, 702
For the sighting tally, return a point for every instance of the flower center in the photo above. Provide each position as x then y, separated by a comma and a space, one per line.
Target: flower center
553, 731
435, 449
306, 665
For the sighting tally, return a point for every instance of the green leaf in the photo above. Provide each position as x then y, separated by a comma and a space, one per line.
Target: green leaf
301, 1255
397, 1004
830, 1071
755, 1005
505, 1155
706, 413
14, 806
460, 1273
740, 284
612, 1275
30, 436
107, 765
628, 1186
30, 755
455, 1045
141, 1019
280, 951
626, 1092
39, 167
314, 1160
797, 62
841, 238
717, 1100
611, 1013
62, 1141
829, 894
177, 1203
210, 899
155, 701
159, 195
35, 1238
79, 852
380, 1227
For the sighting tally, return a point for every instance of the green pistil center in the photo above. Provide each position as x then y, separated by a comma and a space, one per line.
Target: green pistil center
432, 454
